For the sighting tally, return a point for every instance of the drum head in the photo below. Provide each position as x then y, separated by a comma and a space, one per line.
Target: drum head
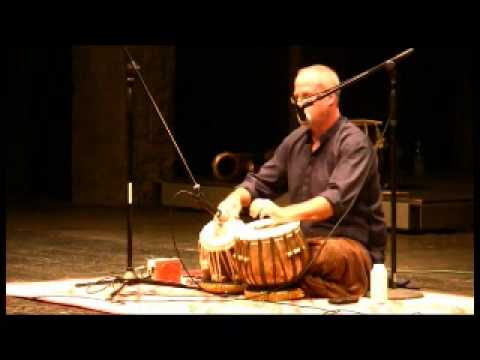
216, 237
266, 228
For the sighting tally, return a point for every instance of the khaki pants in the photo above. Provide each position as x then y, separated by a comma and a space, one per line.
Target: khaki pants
342, 268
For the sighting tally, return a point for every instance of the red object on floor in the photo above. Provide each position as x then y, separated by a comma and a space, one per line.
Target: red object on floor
168, 270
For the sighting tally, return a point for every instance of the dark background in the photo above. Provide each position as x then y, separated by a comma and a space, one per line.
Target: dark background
236, 99
39, 136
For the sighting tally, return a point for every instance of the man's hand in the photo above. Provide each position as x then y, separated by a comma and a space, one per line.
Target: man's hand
262, 208
230, 208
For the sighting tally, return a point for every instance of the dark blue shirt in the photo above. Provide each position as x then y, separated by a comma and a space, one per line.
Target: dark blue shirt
343, 166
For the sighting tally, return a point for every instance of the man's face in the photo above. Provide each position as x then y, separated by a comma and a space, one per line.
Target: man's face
307, 85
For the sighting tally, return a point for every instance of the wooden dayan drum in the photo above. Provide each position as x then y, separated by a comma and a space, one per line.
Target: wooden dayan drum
270, 255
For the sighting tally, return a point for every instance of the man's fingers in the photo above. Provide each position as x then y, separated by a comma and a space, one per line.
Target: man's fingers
221, 216
255, 209
264, 212
228, 211
260, 208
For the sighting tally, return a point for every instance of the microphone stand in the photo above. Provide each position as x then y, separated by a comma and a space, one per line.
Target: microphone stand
196, 192
130, 277
395, 293
398, 289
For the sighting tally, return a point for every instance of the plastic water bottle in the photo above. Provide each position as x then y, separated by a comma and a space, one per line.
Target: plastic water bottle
379, 284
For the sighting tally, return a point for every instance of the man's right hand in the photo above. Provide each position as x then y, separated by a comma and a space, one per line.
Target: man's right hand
229, 209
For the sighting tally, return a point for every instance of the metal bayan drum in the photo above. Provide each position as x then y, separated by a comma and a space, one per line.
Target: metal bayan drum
217, 252
270, 255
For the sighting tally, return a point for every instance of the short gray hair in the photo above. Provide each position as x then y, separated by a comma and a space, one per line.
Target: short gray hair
332, 78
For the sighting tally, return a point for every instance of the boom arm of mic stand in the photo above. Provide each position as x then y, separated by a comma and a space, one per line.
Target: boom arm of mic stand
159, 113
357, 78
197, 194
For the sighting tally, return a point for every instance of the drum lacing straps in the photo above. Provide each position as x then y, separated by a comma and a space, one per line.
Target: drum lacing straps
274, 264
290, 253
253, 280
282, 265
299, 247
216, 276
260, 257
236, 255
242, 259
296, 249
237, 275
231, 267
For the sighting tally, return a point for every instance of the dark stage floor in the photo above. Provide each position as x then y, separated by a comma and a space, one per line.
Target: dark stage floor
52, 241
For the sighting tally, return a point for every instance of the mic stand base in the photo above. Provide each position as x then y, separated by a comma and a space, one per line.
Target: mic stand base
400, 289
404, 294
130, 278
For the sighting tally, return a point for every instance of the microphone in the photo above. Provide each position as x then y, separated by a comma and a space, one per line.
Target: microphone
301, 116
300, 113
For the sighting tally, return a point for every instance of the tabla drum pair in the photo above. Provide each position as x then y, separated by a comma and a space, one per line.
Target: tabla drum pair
257, 256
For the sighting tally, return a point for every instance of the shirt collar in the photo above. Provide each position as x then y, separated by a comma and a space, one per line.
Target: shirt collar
329, 133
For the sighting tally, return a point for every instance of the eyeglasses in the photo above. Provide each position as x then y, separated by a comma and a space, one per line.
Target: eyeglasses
304, 102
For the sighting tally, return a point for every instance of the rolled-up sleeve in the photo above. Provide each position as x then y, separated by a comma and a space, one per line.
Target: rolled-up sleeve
270, 181
348, 177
